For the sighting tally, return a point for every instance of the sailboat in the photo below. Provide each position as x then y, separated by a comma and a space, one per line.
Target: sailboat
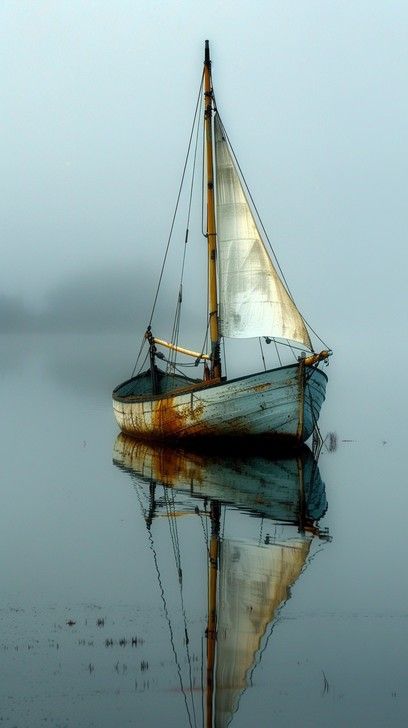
262, 517
247, 298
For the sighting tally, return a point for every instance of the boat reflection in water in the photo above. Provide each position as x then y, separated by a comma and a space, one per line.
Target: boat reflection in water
249, 578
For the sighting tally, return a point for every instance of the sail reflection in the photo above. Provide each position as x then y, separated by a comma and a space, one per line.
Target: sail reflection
248, 579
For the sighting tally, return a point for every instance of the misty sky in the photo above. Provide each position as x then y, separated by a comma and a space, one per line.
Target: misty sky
97, 103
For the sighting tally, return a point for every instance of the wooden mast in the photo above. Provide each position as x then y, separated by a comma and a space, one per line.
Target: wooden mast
211, 226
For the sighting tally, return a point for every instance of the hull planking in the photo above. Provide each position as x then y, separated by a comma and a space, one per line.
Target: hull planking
282, 403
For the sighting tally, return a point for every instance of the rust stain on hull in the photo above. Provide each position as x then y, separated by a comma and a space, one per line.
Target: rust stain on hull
261, 387
172, 418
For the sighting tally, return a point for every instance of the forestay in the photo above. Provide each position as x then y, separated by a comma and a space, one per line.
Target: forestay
252, 299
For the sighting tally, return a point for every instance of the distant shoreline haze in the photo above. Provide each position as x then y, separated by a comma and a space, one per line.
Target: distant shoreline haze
104, 300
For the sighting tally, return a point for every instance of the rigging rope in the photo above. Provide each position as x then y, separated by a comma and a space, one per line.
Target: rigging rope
205, 529
169, 499
163, 598
205, 342
262, 354
173, 220
177, 317
138, 357
277, 352
291, 348
177, 201
291, 345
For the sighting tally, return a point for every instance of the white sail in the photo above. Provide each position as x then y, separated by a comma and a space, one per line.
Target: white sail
254, 580
252, 299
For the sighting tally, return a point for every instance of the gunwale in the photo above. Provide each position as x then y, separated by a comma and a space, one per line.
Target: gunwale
197, 386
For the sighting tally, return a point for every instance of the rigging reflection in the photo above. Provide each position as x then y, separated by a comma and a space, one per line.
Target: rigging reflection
249, 577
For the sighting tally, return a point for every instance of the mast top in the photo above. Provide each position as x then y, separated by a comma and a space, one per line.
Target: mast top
207, 61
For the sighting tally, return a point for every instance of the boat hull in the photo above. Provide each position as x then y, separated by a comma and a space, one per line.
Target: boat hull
282, 403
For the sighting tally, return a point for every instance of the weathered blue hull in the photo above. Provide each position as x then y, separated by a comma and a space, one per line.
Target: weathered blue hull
282, 403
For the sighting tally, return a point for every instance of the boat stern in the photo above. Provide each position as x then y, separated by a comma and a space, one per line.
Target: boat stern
314, 394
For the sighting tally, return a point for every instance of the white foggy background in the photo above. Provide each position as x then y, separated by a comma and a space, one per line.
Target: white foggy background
98, 100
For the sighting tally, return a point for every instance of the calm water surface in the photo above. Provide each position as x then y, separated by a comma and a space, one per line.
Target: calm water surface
104, 572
